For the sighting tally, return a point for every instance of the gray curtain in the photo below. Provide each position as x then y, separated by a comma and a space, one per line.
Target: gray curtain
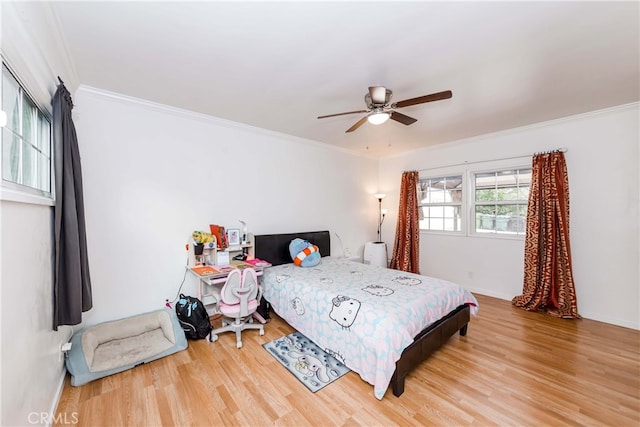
72, 286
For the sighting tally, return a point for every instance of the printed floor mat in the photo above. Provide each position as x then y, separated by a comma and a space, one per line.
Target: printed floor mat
306, 361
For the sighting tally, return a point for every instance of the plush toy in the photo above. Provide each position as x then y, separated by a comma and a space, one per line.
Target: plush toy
303, 253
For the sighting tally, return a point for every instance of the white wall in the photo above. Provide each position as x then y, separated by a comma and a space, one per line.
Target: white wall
602, 162
153, 174
31, 368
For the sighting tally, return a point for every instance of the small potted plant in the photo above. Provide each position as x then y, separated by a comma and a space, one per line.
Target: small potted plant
200, 238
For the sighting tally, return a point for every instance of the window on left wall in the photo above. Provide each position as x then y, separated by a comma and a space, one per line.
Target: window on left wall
26, 141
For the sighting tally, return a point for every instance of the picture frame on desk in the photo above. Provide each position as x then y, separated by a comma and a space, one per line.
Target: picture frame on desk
233, 236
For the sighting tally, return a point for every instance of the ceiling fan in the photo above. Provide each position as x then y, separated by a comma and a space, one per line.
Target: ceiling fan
379, 109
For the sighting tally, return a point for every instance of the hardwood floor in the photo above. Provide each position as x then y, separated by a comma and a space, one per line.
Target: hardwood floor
514, 368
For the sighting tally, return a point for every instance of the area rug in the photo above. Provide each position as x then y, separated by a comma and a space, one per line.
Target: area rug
311, 365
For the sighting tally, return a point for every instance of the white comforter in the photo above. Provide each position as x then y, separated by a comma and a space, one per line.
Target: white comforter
363, 315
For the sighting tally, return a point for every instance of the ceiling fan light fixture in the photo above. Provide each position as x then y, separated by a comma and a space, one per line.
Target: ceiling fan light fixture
379, 109
378, 118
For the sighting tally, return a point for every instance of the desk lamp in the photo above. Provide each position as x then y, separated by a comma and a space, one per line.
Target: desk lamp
244, 231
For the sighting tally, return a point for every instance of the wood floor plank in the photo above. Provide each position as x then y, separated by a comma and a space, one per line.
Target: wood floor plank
512, 368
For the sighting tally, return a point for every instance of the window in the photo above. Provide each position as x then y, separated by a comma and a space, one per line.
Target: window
440, 203
500, 201
26, 141
488, 203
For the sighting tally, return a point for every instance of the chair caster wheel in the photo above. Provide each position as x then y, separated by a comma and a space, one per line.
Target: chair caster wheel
239, 345
214, 338
261, 333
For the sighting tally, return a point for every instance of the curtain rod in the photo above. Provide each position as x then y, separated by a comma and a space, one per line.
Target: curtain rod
563, 150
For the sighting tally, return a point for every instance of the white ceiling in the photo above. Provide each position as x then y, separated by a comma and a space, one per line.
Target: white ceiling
279, 65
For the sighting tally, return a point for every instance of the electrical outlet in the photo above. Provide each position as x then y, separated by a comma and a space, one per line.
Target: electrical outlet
64, 347
347, 252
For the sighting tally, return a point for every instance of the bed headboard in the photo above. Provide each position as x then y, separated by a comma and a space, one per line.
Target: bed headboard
275, 247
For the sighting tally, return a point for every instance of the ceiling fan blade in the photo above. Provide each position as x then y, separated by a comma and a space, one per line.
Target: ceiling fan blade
342, 114
357, 125
422, 99
378, 94
404, 119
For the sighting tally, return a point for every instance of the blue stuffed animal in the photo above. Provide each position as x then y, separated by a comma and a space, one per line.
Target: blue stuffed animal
303, 253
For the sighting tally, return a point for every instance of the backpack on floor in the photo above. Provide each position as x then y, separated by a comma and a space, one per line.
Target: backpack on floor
193, 317
264, 309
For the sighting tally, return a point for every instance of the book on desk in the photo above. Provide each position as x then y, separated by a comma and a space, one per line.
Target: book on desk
205, 270
256, 262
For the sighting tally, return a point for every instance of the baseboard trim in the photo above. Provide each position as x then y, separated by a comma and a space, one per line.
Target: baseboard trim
597, 317
57, 396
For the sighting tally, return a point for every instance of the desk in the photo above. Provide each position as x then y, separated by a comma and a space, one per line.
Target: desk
209, 288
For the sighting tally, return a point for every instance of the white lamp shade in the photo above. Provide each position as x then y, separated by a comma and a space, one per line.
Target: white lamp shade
378, 118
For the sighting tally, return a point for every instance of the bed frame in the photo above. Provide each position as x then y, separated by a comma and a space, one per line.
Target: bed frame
275, 249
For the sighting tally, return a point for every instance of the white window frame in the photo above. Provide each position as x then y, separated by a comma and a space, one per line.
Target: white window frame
471, 210
468, 172
445, 173
12, 191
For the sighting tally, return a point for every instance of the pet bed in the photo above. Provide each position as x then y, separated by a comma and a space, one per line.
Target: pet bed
112, 347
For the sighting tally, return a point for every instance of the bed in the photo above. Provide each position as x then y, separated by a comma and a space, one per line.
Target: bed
381, 323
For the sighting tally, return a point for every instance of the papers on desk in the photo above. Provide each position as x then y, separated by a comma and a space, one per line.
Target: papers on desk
256, 262
206, 270
240, 265
218, 271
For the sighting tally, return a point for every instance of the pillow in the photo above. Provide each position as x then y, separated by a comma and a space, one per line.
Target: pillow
303, 253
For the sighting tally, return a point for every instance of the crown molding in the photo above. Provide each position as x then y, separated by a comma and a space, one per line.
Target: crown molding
541, 125
35, 49
217, 121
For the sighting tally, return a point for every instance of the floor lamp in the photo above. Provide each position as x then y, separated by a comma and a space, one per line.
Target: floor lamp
381, 214
375, 253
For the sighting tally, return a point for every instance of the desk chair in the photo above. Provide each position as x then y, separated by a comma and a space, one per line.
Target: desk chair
239, 300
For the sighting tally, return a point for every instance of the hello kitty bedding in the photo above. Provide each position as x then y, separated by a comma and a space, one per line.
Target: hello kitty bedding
363, 315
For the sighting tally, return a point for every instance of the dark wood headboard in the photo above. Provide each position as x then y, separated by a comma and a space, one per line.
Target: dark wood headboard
275, 247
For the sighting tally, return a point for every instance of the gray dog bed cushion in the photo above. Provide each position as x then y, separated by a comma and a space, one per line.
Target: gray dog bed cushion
112, 347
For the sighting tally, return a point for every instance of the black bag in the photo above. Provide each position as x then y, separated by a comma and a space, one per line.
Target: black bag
193, 317
264, 309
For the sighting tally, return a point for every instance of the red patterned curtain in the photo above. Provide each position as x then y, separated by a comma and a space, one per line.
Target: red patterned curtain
405, 248
548, 278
